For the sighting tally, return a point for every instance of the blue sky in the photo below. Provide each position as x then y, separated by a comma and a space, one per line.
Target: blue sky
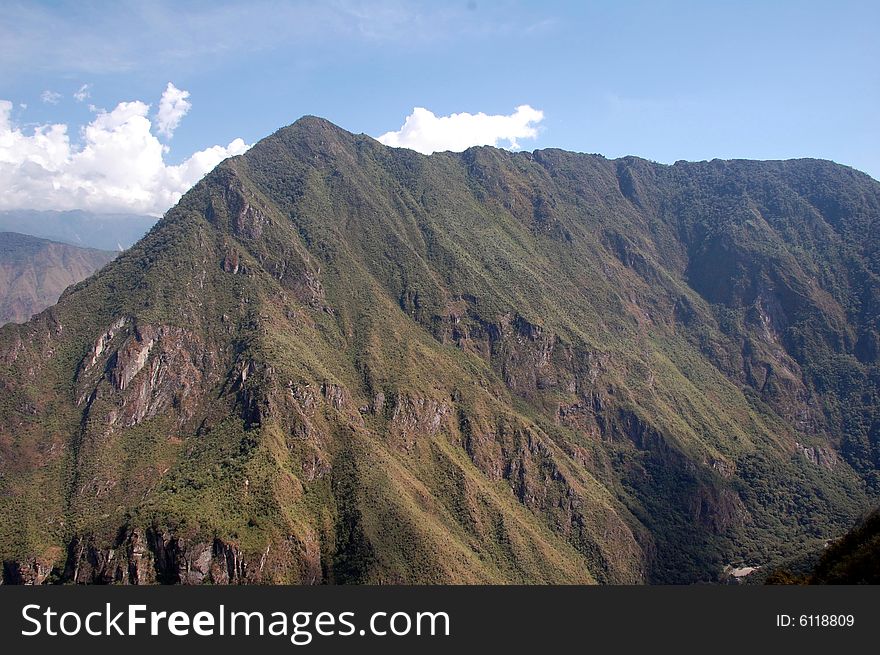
662, 80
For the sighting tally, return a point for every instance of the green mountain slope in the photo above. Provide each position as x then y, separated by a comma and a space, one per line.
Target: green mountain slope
854, 559
339, 362
34, 272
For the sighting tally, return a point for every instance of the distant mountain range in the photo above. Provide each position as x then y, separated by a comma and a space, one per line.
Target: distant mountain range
80, 228
339, 362
34, 272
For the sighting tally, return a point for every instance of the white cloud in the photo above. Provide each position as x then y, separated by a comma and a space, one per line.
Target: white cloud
427, 133
50, 97
83, 92
172, 108
119, 166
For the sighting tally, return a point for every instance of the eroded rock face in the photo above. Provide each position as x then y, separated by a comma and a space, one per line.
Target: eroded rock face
238, 210
131, 356
153, 556
28, 572
414, 417
152, 369
818, 455
769, 368
231, 262
141, 565
336, 395
528, 356
103, 341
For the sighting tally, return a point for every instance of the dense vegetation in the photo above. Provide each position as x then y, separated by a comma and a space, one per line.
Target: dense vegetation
853, 558
336, 361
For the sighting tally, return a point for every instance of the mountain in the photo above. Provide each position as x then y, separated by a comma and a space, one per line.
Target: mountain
335, 361
34, 272
80, 228
853, 558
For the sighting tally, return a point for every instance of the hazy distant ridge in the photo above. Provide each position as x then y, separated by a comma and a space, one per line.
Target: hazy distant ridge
80, 228
34, 272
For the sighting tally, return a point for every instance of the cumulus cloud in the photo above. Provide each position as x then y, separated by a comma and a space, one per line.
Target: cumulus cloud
50, 97
82, 93
172, 108
119, 165
426, 133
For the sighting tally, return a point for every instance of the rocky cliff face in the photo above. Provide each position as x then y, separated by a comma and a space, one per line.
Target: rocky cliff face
339, 362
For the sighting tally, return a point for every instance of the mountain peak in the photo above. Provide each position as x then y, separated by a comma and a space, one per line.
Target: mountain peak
307, 137
310, 121
314, 127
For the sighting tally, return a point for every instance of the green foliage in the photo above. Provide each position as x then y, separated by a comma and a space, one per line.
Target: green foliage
854, 558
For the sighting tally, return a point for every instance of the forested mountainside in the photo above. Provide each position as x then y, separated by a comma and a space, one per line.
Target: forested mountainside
853, 559
339, 362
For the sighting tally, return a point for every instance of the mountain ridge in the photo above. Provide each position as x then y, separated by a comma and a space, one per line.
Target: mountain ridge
34, 272
362, 364
85, 229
